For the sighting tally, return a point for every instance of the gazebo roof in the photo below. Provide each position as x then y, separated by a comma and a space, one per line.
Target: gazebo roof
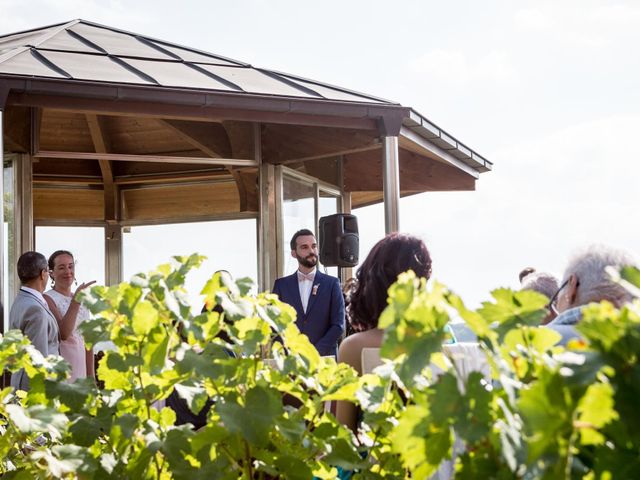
90, 55
82, 50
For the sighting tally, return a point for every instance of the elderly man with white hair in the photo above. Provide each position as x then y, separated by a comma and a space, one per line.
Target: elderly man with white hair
585, 280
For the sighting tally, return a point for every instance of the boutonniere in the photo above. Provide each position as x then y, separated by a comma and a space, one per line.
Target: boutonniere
314, 291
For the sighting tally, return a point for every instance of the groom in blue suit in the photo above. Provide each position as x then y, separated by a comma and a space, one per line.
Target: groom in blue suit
316, 297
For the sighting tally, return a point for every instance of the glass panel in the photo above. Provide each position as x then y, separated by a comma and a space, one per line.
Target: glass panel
297, 212
85, 243
229, 245
9, 286
328, 205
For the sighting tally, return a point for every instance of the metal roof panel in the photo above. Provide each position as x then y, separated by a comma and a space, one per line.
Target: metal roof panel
254, 81
82, 66
194, 56
118, 44
334, 93
26, 64
177, 74
65, 42
23, 39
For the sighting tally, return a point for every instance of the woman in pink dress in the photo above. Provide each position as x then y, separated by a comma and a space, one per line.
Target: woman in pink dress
69, 313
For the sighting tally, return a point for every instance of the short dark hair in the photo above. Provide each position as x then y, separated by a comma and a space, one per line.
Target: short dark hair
300, 233
394, 254
56, 254
30, 265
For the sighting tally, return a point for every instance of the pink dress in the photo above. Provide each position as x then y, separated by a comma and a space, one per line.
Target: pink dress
72, 349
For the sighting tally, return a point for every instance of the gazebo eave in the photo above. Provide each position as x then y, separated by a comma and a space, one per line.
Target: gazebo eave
194, 104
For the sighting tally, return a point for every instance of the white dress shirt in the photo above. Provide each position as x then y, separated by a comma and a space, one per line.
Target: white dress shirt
305, 283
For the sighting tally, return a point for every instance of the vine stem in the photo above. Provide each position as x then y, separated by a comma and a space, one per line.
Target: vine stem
230, 456
147, 405
247, 455
572, 441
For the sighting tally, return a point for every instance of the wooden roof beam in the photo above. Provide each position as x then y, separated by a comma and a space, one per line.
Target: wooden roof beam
213, 140
66, 180
111, 204
241, 140
210, 138
332, 154
126, 157
181, 177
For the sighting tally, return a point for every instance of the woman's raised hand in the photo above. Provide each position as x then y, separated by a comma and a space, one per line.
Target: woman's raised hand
81, 287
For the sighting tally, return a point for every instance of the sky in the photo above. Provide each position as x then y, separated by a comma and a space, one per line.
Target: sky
549, 91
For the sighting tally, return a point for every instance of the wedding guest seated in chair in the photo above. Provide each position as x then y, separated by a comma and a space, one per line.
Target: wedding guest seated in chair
394, 254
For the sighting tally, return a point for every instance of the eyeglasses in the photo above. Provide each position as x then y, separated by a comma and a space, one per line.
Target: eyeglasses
554, 300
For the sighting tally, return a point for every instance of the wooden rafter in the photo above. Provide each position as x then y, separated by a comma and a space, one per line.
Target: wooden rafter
172, 178
286, 144
241, 139
211, 139
332, 154
110, 190
146, 158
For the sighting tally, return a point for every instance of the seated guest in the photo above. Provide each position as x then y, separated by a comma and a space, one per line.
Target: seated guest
394, 254
540, 282
585, 281
69, 313
30, 312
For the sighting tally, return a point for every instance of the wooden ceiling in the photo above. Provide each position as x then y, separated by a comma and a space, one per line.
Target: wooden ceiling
161, 168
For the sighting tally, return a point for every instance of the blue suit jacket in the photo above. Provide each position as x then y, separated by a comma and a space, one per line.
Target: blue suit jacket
324, 321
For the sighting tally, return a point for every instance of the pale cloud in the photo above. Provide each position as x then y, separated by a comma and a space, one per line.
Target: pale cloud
445, 64
532, 19
452, 66
593, 24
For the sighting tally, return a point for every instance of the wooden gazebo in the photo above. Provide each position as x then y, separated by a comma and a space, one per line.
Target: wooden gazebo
111, 128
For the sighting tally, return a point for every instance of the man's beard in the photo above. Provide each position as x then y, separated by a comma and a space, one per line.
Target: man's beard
309, 261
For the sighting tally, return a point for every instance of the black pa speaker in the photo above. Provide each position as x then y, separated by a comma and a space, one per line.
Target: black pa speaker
339, 241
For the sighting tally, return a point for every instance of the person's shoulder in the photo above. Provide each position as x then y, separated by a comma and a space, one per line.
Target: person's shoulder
354, 340
326, 278
568, 317
33, 311
282, 279
24, 300
285, 277
350, 351
52, 294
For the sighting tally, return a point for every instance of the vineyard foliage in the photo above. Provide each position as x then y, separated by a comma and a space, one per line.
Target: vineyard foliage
546, 411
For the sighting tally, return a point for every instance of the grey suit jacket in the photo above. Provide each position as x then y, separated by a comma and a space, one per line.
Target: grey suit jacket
34, 320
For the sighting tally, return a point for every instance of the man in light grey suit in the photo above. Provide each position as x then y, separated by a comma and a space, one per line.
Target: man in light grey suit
30, 312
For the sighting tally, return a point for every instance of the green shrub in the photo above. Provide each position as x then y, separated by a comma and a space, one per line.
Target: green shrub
548, 413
